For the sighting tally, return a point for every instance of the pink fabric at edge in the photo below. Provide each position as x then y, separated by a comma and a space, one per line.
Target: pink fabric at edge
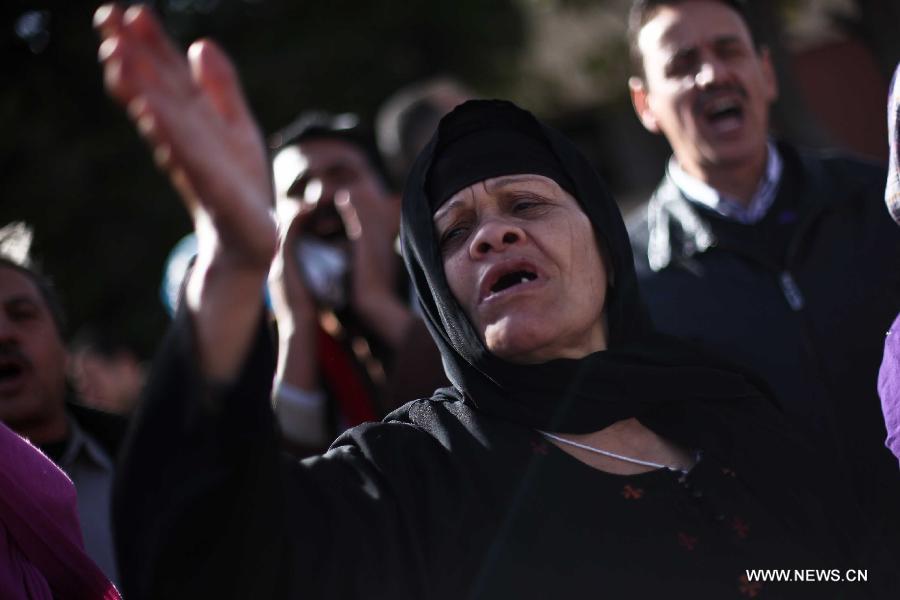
41, 550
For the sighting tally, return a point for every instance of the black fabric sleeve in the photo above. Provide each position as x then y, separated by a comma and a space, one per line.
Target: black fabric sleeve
196, 501
206, 505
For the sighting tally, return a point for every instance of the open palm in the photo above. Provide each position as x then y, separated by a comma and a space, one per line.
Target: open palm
194, 116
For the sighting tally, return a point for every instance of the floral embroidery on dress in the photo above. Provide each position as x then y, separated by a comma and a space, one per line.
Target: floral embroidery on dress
632, 493
688, 542
741, 529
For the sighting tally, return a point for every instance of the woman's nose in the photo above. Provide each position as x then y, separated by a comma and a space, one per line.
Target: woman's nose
495, 235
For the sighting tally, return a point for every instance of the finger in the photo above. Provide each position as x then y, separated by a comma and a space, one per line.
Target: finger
287, 258
296, 224
116, 78
215, 74
129, 69
108, 20
155, 52
349, 215
140, 22
284, 274
290, 227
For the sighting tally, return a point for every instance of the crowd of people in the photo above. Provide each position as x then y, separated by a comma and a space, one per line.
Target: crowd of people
524, 396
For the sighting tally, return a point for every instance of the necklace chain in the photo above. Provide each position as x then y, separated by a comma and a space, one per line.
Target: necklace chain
607, 453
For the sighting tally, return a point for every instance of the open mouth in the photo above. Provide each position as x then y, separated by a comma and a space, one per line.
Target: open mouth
724, 113
11, 372
512, 279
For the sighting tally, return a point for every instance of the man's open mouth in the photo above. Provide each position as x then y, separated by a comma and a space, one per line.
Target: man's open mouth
724, 113
11, 371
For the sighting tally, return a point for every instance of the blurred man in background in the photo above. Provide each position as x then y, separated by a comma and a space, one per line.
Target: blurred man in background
107, 372
341, 288
34, 398
774, 258
408, 118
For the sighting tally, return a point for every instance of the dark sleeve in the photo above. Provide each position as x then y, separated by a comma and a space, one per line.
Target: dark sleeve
206, 505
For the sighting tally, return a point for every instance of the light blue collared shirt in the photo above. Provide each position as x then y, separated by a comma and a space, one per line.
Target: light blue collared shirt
91, 470
699, 192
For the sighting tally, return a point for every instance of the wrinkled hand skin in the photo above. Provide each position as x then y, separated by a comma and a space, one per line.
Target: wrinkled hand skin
292, 302
192, 113
294, 310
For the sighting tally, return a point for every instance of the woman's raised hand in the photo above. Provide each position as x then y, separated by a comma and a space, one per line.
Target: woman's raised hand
193, 115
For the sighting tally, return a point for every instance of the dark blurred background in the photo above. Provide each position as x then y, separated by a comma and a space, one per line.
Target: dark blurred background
105, 220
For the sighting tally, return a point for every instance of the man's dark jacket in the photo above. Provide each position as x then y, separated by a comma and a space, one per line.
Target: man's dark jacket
803, 298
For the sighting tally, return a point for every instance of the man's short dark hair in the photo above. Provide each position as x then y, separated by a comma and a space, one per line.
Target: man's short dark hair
15, 253
644, 10
346, 127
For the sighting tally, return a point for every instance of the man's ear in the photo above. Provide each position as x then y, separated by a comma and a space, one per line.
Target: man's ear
638, 90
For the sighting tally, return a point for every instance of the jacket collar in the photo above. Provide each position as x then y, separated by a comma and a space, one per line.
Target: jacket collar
700, 192
678, 230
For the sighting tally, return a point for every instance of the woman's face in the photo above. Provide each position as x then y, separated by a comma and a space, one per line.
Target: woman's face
522, 260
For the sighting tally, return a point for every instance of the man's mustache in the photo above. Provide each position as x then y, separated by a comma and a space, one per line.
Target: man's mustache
708, 95
11, 354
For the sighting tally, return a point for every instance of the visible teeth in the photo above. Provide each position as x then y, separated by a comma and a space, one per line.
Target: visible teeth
720, 105
525, 280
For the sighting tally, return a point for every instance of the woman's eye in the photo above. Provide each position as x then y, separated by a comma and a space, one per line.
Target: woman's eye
453, 234
526, 205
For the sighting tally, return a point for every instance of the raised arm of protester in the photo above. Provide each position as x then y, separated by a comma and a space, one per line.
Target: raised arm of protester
193, 115
298, 400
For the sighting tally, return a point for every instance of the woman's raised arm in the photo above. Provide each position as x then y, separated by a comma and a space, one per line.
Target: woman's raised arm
193, 115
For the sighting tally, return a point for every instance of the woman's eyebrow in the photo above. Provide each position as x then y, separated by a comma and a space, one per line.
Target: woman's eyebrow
458, 201
498, 183
449, 206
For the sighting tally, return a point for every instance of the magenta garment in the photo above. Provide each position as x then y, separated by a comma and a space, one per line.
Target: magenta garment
889, 377
41, 550
892, 191
889, 387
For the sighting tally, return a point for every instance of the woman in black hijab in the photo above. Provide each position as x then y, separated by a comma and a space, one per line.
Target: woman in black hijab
577, 453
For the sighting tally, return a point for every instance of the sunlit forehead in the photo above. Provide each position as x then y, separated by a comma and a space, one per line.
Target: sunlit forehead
673, 30
286, 167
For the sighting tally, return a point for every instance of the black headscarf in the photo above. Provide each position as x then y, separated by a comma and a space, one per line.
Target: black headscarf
641, 374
